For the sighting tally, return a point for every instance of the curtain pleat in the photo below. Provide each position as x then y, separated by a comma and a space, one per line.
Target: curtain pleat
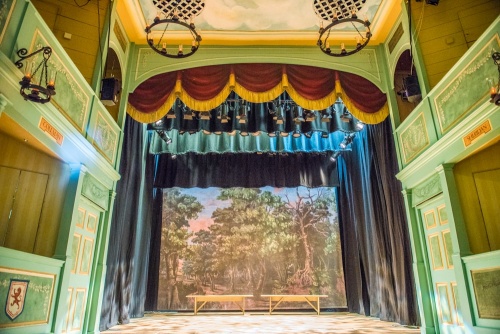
205, 88
153, 269
375, 240
128, 254
310, 83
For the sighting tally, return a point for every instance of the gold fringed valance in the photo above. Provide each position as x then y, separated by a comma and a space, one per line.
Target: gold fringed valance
205, 88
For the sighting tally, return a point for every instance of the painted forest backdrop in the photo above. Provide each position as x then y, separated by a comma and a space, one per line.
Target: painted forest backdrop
250, 241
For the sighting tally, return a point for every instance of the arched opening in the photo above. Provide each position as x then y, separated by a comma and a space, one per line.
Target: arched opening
111, 84
406, 85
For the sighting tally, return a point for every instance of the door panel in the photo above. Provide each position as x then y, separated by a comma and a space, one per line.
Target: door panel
488, 191
9, 177
439, 251
83, 254
28, 202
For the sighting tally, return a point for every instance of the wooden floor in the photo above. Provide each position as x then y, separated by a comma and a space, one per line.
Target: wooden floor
262, 323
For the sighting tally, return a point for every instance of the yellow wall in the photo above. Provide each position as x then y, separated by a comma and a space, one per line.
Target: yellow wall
40, 236
83, 23
478, 184
446, 31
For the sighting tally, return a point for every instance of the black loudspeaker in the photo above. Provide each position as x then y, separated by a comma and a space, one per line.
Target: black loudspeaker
412, 88
109, 91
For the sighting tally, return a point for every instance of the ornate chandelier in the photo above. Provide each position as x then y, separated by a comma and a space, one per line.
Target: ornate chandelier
173, 20
45, 89
343, 15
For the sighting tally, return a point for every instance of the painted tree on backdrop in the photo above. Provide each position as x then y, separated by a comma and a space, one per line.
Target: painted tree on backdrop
177, 210
310, 218
251, 235
268, 244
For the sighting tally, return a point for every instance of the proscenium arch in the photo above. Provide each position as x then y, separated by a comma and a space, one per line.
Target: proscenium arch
366, 63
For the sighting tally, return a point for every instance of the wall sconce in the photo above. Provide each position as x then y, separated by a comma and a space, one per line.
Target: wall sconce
45, 89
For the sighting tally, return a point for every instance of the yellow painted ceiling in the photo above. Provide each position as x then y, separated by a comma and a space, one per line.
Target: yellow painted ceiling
260, 22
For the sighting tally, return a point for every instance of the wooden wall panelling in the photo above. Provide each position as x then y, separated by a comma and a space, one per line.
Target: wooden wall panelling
488, 185
445, 32
472, 204
85, 23
19, 155
25, 218
9, 177
476, 19
48, 11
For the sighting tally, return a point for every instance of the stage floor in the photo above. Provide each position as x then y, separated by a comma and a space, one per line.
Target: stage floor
262, 323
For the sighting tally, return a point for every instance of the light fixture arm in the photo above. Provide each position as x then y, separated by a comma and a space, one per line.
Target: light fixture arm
31, 91
47, 52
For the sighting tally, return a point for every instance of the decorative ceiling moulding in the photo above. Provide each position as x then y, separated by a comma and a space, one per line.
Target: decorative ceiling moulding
365, 63
205, 88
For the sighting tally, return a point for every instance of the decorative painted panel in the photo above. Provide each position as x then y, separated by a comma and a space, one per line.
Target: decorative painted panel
91, 223
78, 308
6, 8
70, 96
69, 303
75, 251
448, 248
442, 214
444, 303
456, 304
430, 219
428, 189
105, 136
81, 217
468, 88
435, 251
87, 253
414, 138
27, 296
95, 191
487, 292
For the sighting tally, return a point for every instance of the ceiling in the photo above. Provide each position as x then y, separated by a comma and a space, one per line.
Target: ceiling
261, 22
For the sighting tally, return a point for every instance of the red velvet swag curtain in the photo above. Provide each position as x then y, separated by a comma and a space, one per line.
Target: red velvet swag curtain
204, 88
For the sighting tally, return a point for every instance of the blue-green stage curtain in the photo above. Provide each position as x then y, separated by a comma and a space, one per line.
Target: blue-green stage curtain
154, 253
210, 136
130, 231
374, 233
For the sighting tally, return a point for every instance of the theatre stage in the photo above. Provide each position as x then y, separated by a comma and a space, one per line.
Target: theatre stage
253, 322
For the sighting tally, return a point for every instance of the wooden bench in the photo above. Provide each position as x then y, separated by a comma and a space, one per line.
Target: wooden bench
203, 299
312, 300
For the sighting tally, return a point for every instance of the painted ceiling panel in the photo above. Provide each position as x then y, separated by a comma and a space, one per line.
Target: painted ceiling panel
238, 19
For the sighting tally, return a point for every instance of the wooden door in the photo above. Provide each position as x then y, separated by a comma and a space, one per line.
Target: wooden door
82, 250
439, 250
24, 194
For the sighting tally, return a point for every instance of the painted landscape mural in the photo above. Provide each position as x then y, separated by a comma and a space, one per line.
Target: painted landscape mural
250, 241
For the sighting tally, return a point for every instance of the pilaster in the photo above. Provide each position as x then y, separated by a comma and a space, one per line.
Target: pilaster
421, 273
63, 247
101, 269
459, 239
